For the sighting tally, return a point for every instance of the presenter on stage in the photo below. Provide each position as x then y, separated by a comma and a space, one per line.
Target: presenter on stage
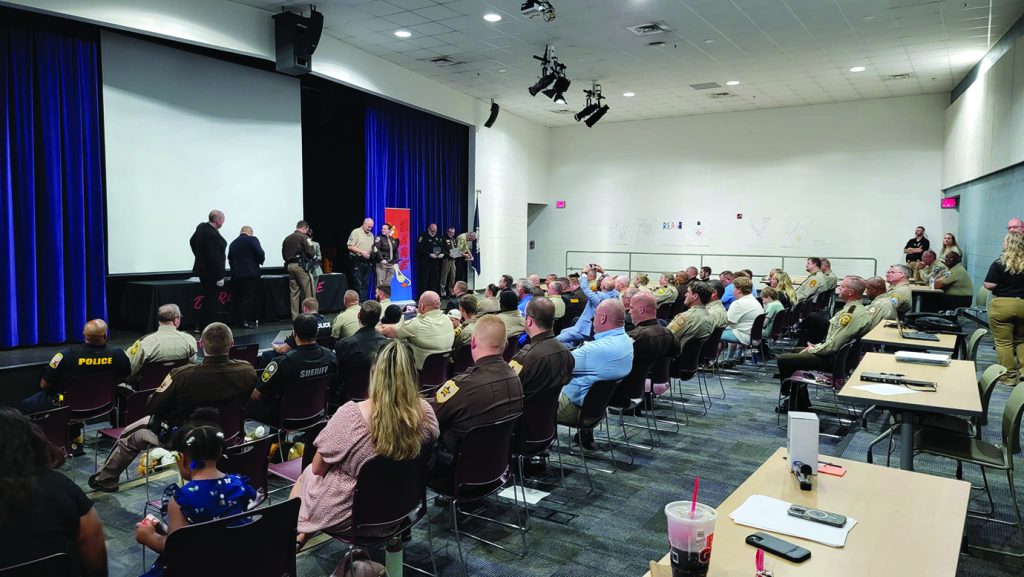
385, 253
360, 249
429, 254
245, 255
209, 247
297, 252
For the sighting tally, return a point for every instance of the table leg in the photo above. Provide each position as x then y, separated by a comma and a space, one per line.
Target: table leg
907, 442
916, 299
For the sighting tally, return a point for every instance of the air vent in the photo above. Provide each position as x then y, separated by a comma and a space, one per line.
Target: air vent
563, 111
705, 86
903, 76
717, 95
656, 44
647, 29
444, 61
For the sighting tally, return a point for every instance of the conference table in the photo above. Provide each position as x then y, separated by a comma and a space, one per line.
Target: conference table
956, 394
919, 292
890, 337
907, 523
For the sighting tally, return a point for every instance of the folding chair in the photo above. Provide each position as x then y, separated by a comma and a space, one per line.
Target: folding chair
435, 371
833, 380
303, 407
535, 433
58, 565
152, 375
54, 424
709, 357
249, 353
593, 412
511, 348
463, 359
251, 460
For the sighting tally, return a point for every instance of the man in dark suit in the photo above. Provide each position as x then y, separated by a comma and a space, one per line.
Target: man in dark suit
355, 353
209, 246
245, 255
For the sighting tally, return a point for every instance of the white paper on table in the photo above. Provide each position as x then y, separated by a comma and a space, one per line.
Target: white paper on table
770, 514
886, 389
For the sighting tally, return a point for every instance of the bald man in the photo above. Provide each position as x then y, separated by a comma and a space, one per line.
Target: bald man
428, 333
880, 308
209, 247
347, 322
360, 251
1015, 225
486, 392
609, 357
166, 344
245, 256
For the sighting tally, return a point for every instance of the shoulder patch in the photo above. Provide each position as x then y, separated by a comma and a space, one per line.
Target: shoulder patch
516, 366
895, 301
946, 275
447, 391
872, 310
56, 360
269, 371
163, 386
845, 319
813, 283
135, 348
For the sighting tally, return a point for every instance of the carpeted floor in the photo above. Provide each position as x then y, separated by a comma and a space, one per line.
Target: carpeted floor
616, 529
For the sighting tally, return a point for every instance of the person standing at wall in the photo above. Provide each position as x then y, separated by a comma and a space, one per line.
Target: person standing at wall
296, 250
1005, 279
916, 246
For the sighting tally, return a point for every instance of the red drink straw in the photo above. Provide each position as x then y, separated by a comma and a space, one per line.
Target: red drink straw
693, 502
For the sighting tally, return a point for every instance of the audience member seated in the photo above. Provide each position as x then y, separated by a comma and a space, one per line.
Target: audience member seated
849, 323
458, 291
815, 281
554, 294
346, 324
880, 308
207, 494
184, 390
956, 285
608, 357
651, 341
383, 295
543, 363
574, 298
486, 392
572, 336
524, 292
780, 281
705, 273
626, 299
831, 280
640, 282
394, 422
928, 269
464, 327
727, 295
666, 293
534, 280
691, 274
308, 361
505, 283
719, 316
429, 332
772, 307
43, 512
510, 314
898, 277
355, 354
489, 304
310, 306
741, 317
694, 322
166, 344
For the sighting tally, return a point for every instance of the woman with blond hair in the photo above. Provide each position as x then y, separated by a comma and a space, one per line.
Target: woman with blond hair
1005, 279
783, 285
394, 422
949, 245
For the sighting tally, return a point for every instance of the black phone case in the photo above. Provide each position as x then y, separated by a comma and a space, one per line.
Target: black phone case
778, 547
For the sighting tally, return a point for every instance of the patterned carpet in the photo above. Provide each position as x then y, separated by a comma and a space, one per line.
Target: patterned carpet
616, 529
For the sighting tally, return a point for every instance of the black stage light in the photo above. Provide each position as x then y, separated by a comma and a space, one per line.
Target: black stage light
561, 86
542, 83
587, 111
596, 116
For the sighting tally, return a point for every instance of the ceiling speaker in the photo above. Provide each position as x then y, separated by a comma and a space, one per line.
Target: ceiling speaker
494, 114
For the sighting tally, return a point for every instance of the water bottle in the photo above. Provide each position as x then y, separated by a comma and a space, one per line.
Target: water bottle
931, 282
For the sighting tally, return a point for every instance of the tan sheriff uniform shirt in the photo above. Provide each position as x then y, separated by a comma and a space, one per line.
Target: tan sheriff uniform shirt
514, 323
559, 305
166, 344
719, 316
693, 323
346, 323
850, 322
811, 286
361, 239
428, 333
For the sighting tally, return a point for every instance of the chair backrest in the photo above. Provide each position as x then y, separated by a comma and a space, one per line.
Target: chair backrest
357, 384
136, 406
258, 542
986, 385
710, 350
482, 460
90, 395
304, 403
595, 403
153, 374
249, 353
841, 363
435, 370
982, 299
232, 420
54, 424
632, 385
679, 305
665, 311
974, 343
537, 427
757, 329
463, 359
684, 366
511, 348
327, 342
387, 491
57, 565
660, 370
1011, 421
249, 460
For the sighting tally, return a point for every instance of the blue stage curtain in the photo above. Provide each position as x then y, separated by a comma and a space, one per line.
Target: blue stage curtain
53, 264
418, 161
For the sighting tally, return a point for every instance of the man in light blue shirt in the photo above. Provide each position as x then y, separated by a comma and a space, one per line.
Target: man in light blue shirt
728, 296
609, 357
524, 290
572, 336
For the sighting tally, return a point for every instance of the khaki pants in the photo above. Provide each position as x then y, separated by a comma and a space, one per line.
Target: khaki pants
1006, 321
134, 439
447, 275
300, 285
568, 413
385, 272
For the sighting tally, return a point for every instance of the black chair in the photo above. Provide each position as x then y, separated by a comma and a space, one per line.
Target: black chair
327, 342
231, 419
833, 380
390, 498
54, 424
303, 407
357, 384
511, 348
153, 374
135, 407
435, 371
684, 368
58, 565
535, 434
592, 414
250, 460
661, 376
665, 311
249, 353
628, 397
482, 466
463, 359
257, 542
679, 306
709, 357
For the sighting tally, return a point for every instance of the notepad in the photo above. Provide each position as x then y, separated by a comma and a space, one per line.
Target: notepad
769, 514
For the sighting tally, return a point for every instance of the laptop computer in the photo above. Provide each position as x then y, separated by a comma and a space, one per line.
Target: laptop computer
915, 335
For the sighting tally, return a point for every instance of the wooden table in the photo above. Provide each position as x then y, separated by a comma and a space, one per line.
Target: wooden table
957, 394
907, 523
918, 292
890, 337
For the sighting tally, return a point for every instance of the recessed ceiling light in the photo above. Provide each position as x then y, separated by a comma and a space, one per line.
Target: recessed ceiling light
492, 17
629, 94
732, 83
403, 33
502, 70
858, 69
709, 41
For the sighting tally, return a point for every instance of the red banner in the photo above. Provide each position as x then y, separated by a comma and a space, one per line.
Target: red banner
400, 220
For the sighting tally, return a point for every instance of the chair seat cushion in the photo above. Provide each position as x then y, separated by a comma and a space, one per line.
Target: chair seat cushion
950, 424
959, 447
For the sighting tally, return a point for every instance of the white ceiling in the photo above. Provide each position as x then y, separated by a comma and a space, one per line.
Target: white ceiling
783, 52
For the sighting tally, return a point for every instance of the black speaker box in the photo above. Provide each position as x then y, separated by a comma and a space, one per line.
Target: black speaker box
494, 114
296, 38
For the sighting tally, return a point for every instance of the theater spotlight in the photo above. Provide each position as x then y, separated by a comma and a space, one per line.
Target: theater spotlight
551, 72
557, 92
590, 122
587, 111
543, 82
593, 111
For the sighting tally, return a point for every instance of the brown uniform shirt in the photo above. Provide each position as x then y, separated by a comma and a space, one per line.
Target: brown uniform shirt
187, 388
543, 364
484, 393
651, 341
293, 244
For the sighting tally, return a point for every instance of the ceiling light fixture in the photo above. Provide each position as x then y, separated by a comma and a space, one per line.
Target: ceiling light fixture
492, 17
532, 8
629, 94
552, 72
733, 83
594, 110
858, 69
403, 33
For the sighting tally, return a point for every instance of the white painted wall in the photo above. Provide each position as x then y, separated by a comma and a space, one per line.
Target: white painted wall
838, 180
